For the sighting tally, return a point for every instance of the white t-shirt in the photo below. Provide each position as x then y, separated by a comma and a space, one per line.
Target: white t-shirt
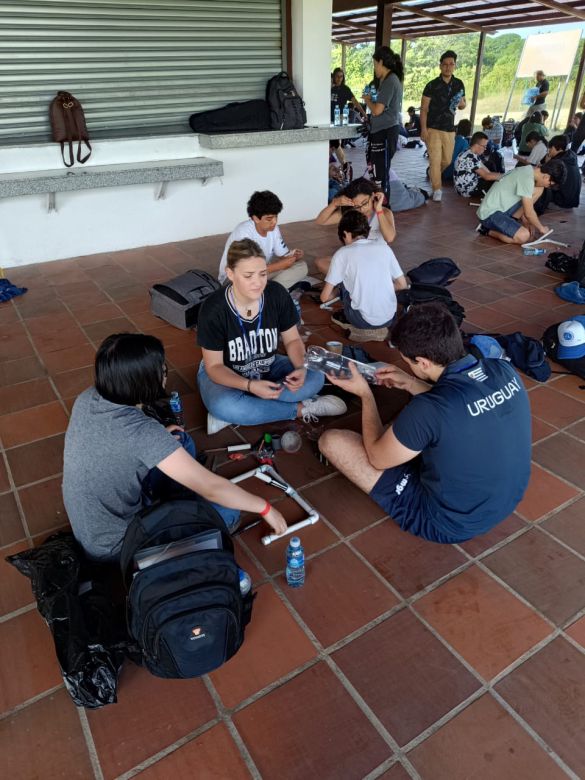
537, 153
375, 231
367, 269
272, 244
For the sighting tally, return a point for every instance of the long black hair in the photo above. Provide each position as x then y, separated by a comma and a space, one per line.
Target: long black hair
130, 369
390, 60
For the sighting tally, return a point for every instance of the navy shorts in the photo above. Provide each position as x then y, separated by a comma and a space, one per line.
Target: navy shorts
400, 494
503, 221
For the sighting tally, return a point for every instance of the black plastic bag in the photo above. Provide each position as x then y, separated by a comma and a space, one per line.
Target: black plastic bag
88, 631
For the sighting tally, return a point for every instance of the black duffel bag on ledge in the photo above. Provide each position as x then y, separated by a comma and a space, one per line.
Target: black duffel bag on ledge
248, 116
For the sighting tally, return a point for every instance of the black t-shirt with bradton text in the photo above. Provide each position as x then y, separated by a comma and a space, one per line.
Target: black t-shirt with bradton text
248, 345
445, 97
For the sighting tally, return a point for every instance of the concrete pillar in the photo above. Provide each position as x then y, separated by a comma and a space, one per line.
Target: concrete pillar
311, 56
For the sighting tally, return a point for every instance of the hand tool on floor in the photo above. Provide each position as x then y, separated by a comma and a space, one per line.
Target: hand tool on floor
266, 473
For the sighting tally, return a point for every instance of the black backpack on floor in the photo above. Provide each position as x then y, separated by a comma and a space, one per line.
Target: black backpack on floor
438, 270
184, 605
287, 110
430, 293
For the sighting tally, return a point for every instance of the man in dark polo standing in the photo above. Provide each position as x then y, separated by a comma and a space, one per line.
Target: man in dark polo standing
441, 99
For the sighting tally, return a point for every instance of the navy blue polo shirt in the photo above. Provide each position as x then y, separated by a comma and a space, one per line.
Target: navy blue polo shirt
473, 430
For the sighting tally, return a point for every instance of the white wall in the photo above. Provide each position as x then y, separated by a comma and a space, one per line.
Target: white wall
110, 219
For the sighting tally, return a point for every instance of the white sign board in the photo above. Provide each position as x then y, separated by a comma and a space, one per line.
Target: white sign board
554, 53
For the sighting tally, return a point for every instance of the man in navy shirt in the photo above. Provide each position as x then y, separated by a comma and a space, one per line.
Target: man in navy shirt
456, 460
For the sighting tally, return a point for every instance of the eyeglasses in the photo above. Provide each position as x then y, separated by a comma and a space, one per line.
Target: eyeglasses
364, 204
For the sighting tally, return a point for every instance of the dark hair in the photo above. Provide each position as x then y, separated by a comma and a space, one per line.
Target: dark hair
411, 110
359, 186
544, 114
487, 121
535, 117
390, 60
477, 137
243, 250
355, 223
559, 142
428, 331
556, 170
464, 128
579, 114
262, 203
449, 54
335, 72
129, 369
533, 135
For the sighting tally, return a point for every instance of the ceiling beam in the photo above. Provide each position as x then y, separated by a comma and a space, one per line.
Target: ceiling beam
339, 6
437, 17
564, 9
353, 26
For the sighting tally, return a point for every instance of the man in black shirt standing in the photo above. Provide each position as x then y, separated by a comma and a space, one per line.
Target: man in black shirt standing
441, 98
539, 101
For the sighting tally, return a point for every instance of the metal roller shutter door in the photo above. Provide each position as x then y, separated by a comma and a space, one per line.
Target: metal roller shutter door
135, 65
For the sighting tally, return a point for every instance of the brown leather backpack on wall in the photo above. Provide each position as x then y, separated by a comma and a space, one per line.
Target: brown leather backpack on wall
68, 125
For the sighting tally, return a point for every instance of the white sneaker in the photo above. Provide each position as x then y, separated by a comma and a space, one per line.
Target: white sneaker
322, 406
437, 195
214, 425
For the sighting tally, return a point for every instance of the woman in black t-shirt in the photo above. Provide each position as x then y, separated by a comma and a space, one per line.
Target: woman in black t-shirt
341, 95
241, 378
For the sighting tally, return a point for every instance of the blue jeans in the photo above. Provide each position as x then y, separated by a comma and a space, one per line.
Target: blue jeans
241, 408
354, 317
503, 221
158, 487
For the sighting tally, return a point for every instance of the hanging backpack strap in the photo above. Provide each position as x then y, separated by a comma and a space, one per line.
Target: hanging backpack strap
83, 138
67, 120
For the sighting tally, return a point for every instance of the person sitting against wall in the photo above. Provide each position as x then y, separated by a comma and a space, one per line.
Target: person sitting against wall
242, 379
537, 150
116, 457
507, 210
462, 135
456, 460
286, 266
367, 273
363, 195
471, 177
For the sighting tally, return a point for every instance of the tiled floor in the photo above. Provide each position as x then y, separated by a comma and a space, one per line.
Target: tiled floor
399, 658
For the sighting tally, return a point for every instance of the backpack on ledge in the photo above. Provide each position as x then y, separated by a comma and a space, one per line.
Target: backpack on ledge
287, 110
185, 609
68, 125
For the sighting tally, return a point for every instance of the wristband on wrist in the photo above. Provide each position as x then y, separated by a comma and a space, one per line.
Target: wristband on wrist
266, 509
380, 212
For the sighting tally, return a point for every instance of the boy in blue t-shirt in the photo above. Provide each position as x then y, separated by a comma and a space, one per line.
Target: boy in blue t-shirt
456, 460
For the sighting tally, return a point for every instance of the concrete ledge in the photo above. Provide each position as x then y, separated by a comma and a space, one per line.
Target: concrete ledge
86, 178
275, 137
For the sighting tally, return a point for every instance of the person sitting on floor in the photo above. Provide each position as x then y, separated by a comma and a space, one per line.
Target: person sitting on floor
533, 124
363, 195
368, 275
116, 456
242, 379
286, 266
412, 127
456, 460
405, 197
507, 210
471, 177
537, 150
494, 130
568, 195
461, 144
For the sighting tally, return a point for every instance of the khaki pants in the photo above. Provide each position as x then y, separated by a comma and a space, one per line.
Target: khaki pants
291, 275
440, 145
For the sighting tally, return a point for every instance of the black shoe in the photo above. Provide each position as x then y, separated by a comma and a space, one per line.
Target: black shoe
302, 285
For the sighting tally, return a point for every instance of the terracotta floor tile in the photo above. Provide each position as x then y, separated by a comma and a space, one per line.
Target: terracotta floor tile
564, 455
339, 596
554, 408
274, 646
310, 742
578, 430
180, 355
67, 359
485, 623
504, 529
483, 295
14, 346
211, 756
45, 740
14, 371
490, 318
25, 395
406, 561
545, 492
71, 383
52, 339
545, 298
571, 385
15, 589
483, 742
421, 680
98, 331
97, 313
544, 573
11, 529
28, 664
343, 504
577, 631
194, 410
32, 462
43, 506
548, 691
568, 525
136, 305
150, 715
396, 772
540, 429
32, 424
4, 483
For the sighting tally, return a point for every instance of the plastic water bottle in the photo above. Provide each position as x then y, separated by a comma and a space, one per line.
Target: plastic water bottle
530, 250
374, 94
295, 563
245, 582
177, 408
337, 117
296, 299
345, 119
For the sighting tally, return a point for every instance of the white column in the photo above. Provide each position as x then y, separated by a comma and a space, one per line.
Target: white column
311, 56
